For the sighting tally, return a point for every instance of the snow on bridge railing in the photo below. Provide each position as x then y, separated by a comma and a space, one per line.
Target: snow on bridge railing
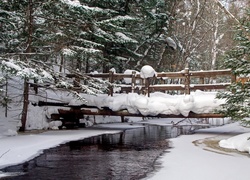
183, 81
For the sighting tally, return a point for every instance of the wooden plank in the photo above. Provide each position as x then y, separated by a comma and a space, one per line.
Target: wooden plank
45, 103
171, 74
107, 112
209, 86
225, 72
166, 87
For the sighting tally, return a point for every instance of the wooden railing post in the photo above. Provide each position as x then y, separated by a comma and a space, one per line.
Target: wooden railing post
111, 80
187, 81
147, 86
233, 78
133, 82
202, 80
35, 86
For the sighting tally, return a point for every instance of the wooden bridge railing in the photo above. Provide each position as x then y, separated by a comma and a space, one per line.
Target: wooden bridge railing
184, 81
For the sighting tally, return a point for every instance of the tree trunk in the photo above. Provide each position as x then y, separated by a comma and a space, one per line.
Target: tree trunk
6, 96
87, 66
232, 17
25, 104
28, 50
30, 19
61, 63
215, 40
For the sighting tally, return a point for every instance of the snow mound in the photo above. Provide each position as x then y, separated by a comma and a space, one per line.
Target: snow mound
129, 80
158, 103
147, 72
240, 142
9, 132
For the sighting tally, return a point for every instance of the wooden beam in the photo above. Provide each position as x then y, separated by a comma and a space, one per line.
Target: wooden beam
108, 112
209, 86
225, 72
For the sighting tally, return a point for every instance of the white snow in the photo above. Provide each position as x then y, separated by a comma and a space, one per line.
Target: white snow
158, 103
113, 70
10, 64
17, 149
191, 159
72, 2
171, 43
240, 142
147, 72
125, 38
129, 80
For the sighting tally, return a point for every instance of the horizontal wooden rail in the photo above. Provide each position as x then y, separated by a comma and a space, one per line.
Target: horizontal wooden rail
179, 74
126, 113
187, 81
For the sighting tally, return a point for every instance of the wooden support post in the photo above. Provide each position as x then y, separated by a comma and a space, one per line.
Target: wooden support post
111, 80
187, 81
233, 78
35, 86
76, 83
133, 82
162, 81
147, 82
122, 119
202, 80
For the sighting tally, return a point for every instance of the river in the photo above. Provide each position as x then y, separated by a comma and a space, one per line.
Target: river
130, 154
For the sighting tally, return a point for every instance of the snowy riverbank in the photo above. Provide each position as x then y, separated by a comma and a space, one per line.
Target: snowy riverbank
190, 158
198, 156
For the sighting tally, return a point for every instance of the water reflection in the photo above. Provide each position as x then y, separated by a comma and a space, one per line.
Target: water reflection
127, 155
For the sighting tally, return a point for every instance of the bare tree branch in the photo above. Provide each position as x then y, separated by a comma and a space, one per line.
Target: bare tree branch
232, 17
4, 153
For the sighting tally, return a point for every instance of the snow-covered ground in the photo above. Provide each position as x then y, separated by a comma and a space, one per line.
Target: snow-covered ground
197, 156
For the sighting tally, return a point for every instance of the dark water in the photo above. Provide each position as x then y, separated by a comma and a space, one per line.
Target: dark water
128, 155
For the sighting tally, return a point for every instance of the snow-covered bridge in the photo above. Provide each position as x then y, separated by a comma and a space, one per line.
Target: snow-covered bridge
184, 94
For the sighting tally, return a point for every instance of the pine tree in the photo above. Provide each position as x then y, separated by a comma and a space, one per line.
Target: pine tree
237, 104
153, 27
88, 35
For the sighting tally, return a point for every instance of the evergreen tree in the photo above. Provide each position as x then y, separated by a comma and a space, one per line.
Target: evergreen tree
89, 35
45, 35
237, 98
153, 27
